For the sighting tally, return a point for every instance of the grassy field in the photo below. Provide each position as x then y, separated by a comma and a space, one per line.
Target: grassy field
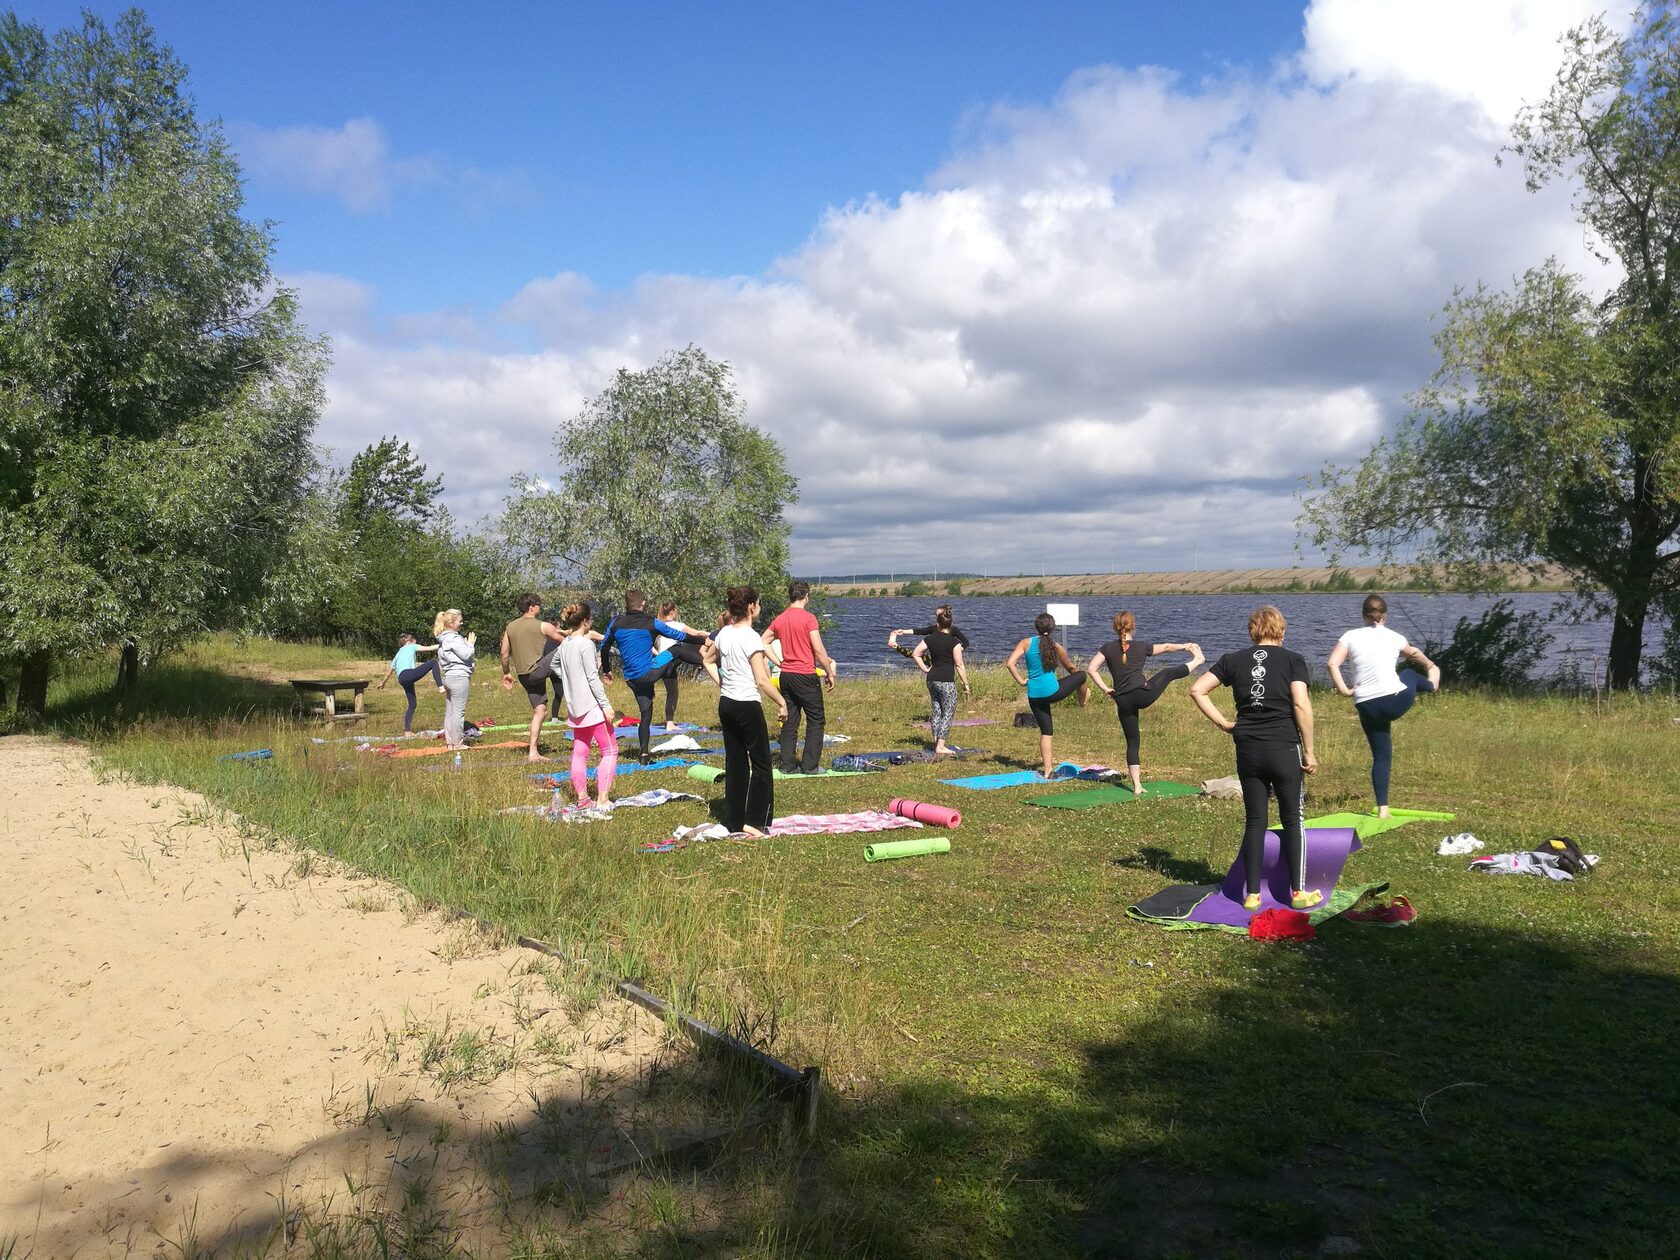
1015, 1068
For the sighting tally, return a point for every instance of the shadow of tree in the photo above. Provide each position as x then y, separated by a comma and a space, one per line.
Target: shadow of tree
167, 691
1179, 870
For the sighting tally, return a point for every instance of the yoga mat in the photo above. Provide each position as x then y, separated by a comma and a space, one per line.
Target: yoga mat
928, 726
1109, 795
1013, 778
1328, 849
439, 751
562, 778
1368, 825
256, 754
711, 774
885, 850
922, 812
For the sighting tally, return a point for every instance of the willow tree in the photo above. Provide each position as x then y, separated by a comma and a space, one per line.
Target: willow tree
664, 486
156, 394
1551, 431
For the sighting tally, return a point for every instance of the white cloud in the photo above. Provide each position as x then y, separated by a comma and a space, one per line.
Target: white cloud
1116, 328
353, 164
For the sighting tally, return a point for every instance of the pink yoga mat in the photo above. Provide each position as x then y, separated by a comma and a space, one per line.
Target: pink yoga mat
922, 812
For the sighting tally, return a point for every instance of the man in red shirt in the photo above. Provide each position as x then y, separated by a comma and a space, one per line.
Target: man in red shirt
802, 653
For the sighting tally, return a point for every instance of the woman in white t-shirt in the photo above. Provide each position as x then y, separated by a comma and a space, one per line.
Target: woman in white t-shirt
1381, 692
735, 659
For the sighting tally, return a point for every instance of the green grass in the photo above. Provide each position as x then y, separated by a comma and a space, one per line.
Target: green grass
1015, 1068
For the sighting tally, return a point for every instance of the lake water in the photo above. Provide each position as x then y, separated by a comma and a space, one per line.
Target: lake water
995, 624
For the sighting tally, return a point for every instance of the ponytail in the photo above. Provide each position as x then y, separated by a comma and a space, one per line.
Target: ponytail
740, 600
1124, 624
1045, 625
574, 615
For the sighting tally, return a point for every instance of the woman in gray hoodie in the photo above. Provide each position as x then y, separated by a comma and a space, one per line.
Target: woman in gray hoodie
455, 659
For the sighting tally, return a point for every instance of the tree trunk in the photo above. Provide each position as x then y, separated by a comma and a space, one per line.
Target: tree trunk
128, 665
2, 689
32, 684
1627, 643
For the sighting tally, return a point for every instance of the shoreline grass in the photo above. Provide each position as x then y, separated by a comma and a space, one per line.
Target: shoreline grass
1015, 1068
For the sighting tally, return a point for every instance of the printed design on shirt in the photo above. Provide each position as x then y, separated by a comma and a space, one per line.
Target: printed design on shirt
1257, 689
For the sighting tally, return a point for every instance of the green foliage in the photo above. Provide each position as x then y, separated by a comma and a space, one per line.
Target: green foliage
1498, 649
156, 394
386, 482
663, 486
954, 588
1552, 428
915, 588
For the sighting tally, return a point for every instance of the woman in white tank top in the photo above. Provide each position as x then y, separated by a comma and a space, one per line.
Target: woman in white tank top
1381, 692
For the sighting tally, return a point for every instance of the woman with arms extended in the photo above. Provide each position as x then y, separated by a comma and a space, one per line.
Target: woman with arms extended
943, 611
1381, 693
408, 673
940, 658
455, 659
1274, 739
679, 650
1043, 657
589, 713
1125, 656
735, 658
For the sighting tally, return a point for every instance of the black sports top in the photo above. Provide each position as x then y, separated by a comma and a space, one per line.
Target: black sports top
1127, 675
1260, 678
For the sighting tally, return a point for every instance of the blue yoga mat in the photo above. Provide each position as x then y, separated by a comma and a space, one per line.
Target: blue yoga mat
1014, 778
561, 779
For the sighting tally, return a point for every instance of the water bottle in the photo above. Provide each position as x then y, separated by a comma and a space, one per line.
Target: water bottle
457, 761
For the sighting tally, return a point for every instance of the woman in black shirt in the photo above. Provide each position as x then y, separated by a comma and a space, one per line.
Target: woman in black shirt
1125, 657
940, 657
1274, 738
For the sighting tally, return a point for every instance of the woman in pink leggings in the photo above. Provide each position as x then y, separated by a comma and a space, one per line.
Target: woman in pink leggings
588, 711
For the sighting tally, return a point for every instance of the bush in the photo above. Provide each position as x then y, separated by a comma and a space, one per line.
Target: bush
913, 589
1498, 649
953, 588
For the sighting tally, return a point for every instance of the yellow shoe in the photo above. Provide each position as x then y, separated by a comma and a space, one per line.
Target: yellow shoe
1251, 902
1305, 900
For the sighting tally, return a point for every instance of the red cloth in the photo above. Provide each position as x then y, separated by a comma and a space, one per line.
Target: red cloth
793, 627
627, 720
1278, 924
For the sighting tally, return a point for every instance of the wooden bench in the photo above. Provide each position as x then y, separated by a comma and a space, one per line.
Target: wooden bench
325, 691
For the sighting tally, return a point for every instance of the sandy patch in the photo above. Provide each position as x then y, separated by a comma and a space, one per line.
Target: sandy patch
205, 1041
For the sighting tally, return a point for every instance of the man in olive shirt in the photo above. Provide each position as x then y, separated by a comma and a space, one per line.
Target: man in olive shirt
528, 645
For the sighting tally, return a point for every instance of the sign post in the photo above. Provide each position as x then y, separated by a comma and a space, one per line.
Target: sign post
1066, 615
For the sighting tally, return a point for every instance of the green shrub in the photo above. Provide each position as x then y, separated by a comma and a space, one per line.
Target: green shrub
1498, 649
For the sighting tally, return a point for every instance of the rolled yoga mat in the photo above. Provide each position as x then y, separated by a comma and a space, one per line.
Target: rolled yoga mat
885, 850
922, 812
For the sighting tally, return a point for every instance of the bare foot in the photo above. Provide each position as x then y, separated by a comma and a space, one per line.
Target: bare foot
535, 757
1382, 811
1197, 660
752, 831
1139, 790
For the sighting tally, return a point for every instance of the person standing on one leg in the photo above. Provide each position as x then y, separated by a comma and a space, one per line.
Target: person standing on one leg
455, 659
1044, 656
632, 632
589, 713
1131, 692
803, 654
1274, 740
1381, 694
736, 659
408, 673
528, 646
940, 657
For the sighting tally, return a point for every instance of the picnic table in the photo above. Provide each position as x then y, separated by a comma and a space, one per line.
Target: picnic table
325, 691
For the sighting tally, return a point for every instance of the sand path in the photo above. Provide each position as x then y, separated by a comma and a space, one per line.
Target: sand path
204, 1040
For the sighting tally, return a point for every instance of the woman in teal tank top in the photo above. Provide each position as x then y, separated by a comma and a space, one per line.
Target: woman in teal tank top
1043, 657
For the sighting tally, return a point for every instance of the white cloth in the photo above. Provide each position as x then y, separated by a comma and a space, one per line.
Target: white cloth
736, 646
1373, 652
1459, 845
677, 743
577, 664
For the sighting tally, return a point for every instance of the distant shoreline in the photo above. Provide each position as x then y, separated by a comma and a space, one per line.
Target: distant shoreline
1304, 581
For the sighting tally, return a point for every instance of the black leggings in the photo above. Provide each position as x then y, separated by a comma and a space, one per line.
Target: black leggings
748, 780
1377, 715
408, 678
1039, 706
688, 654
1263, 767
1128, 703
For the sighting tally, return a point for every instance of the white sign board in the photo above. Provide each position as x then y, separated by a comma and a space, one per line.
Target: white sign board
1065, 614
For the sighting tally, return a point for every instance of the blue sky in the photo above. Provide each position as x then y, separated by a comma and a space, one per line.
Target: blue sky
1069, 283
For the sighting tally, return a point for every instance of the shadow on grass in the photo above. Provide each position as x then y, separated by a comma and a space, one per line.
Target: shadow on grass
86, 702
1381, 1092
1178, 870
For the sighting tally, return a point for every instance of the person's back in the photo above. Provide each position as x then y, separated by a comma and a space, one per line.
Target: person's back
527, 642
1041, 674
942, 656
793, 626
1374, 652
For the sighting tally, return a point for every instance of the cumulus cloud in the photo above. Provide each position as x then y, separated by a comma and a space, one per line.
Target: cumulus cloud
1116, 328
353, 164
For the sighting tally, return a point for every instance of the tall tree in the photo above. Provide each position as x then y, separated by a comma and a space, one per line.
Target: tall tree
156, 393
387, 480
1551, 431
665, 486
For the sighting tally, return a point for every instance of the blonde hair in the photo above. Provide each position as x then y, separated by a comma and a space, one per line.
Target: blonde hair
448, 619
1266, 622
574, 615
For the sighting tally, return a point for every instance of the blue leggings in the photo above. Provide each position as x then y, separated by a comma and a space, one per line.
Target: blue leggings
1377, 715
411, 676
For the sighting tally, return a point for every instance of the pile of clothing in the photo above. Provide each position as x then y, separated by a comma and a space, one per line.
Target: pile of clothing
1558, 858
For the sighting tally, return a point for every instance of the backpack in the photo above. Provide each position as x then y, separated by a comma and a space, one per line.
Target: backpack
1566, 853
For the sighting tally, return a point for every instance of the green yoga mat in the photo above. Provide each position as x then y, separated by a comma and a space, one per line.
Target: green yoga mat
1114, 792
711, 774
1367, 825
882, 851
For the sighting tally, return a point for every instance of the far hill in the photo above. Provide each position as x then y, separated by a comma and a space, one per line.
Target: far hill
1201, 582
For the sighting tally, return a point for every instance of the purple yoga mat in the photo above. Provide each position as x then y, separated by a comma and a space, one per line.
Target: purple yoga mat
1328, 849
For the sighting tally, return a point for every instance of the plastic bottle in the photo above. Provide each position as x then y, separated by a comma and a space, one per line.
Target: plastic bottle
457, 761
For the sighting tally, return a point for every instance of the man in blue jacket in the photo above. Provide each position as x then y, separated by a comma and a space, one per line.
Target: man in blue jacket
632, 633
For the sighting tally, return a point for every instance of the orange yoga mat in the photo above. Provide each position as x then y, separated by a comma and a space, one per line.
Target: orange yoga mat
433, 752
